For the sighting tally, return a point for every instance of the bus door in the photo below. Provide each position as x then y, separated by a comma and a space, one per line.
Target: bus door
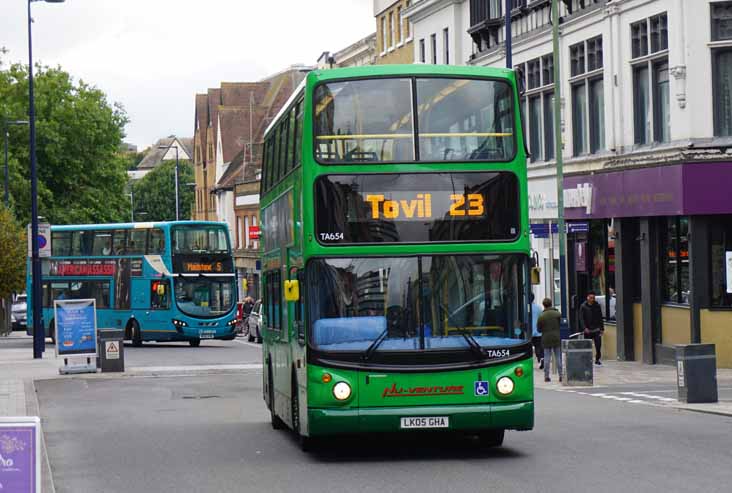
158, 310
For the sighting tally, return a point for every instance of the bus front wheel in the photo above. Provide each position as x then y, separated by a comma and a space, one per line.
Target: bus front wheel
492, 438
136, 334
195, 342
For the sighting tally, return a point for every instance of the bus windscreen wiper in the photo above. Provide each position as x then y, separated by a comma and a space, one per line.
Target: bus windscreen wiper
374, 345
474, 346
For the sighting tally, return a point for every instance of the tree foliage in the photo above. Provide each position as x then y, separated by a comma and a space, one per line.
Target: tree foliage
81, 174
12, 254
154, 194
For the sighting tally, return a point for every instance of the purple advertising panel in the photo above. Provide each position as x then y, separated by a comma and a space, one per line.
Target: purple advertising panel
20, 455
681, 189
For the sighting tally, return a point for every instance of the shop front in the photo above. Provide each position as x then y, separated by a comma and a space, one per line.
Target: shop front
654, 245
544, 239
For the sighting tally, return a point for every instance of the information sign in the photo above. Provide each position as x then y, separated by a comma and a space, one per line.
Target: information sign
20, 454
76, 327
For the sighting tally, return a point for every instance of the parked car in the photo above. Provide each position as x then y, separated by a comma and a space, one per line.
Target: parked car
254, 323
18, 313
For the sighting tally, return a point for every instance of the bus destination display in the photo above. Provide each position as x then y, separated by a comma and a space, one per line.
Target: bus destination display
415, 208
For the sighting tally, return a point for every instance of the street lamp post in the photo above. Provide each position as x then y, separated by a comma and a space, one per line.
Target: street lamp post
39, 333
132, 205
8, 123
177, 205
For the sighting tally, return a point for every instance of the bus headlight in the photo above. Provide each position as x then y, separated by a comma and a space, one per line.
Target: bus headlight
179, 323
341, 391
505, 385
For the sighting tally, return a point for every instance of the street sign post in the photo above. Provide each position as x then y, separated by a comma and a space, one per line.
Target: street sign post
44, 240
20, 454
76, 334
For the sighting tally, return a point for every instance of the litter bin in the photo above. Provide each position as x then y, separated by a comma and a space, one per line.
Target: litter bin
696, 366
111, 350
577, 359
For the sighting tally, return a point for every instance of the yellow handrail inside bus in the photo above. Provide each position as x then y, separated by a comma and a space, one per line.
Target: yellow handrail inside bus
408, 136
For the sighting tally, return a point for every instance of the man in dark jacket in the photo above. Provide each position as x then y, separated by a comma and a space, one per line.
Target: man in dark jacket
592, 324
549, 325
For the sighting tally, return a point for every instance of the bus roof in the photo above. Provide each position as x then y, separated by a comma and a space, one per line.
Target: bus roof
140, 225
416, 69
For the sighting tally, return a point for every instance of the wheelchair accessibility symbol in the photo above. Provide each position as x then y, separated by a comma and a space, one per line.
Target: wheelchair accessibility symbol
481, 388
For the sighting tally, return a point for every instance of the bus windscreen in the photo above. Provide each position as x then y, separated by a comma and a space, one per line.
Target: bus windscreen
417, 208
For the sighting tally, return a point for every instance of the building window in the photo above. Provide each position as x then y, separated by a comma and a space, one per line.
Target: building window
577, 59
540, 107
446, 46
400, 32
722, 68
579, 117
721, 262
652, 115
533, 73
588, 101
383, 35
675, 255
721, 21
602, 274
597, 115
392, 28
433, 46
422, 54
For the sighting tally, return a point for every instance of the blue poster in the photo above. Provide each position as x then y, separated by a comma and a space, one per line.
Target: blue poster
76, 327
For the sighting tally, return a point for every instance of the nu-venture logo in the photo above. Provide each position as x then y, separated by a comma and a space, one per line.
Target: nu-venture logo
395, 391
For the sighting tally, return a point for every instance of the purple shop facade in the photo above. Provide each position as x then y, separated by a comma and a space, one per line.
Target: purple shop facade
672, 190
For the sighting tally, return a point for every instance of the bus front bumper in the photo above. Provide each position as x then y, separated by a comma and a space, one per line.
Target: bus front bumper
499, 415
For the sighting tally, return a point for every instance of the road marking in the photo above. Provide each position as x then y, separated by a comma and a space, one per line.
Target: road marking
246, 343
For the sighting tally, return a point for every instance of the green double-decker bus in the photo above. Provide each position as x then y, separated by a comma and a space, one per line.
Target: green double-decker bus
396, 254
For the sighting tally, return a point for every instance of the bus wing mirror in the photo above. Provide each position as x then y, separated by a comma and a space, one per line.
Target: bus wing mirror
535, 276
292, 290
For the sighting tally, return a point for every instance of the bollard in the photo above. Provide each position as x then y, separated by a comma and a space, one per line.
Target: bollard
577, 359
696, 370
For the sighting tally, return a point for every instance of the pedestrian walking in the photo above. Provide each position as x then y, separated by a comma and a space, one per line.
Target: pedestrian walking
549, 325
592, 323
535, 334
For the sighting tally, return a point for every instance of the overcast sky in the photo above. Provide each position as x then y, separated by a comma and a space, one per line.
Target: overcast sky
154, 55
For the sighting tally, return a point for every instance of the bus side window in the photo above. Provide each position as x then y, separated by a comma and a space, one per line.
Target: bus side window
160, 294
156, 244
61, 243
136, 241
119, 241
102, 243
298, 131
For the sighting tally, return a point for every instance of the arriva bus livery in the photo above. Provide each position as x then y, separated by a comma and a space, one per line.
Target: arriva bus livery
161, 281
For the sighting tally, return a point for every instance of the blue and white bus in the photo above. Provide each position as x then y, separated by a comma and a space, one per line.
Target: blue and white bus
159, 281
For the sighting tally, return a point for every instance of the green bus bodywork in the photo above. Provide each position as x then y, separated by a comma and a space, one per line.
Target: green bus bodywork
382, 393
